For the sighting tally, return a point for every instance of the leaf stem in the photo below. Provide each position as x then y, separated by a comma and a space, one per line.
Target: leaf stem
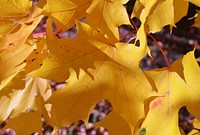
124, 36
160, 48
134, 24
163, 53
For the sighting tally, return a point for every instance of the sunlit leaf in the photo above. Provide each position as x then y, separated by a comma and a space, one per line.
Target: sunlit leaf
192, 75
79, 53
126, 84
164, 109
66, 12
107, 15
175, 93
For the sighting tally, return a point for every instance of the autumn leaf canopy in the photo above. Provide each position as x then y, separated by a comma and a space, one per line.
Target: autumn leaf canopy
94, 65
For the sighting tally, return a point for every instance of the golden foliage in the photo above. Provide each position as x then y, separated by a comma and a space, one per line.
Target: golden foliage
95, 65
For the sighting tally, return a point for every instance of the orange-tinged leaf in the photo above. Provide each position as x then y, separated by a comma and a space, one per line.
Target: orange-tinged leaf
25, 100
15, 9
4, 105
14, 81
11, 60
35, 59
21, 31
121, 81
26, 123
79, 53
7, 26
162, 117
107, 15
115, 124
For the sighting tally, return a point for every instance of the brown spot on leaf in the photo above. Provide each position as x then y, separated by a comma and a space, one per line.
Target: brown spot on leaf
29, 23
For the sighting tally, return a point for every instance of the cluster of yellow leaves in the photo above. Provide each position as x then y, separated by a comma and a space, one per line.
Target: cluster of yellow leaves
94, 65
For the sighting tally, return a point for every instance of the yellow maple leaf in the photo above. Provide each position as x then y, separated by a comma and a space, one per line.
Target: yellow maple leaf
161, 13
79, 53
15, 9
121, 81
192, 75
176, 91
18, 19
24, 100
12, 59
90, 56
66, 12
162, 117
168, 12
149, 7
154, 15
107, 15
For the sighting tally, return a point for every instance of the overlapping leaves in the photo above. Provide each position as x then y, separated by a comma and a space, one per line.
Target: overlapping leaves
94, 66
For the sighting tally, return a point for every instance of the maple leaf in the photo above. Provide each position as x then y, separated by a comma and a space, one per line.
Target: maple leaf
107, 15
12, 59
25, 100
121, 81
17, 21
14, 81
164, 109
79, 53
15, 9
192, 73
175, 93
36, 57
168, 12
66, 12
118, 127
149, 7
162, 13
29, 122
154, 15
